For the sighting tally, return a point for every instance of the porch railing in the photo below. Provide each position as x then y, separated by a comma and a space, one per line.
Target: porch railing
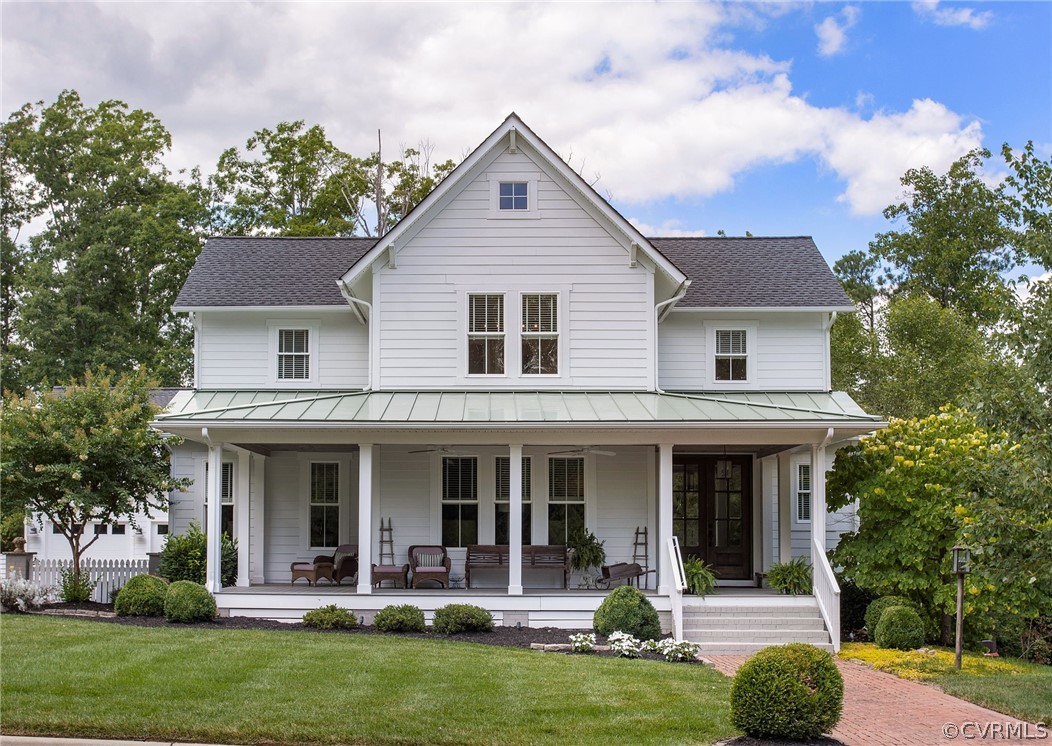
679, 584
827, 592
110, 574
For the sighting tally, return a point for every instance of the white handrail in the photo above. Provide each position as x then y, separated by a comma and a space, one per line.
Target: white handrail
679, 584
827, 592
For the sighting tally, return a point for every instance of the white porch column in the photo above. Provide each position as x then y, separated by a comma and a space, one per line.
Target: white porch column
818, 495
785, 526
242, 506
515, 520
664, 518
214, 519
257, 518
365, 518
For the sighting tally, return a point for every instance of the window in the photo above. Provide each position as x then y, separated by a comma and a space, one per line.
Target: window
565, 498
324, 504
460, 506
226, 520
293, 354
162, 529
119, 529
55, 528
803, 493
101, 529
540, 334
514, 195
502, 493
731, 355
485, 334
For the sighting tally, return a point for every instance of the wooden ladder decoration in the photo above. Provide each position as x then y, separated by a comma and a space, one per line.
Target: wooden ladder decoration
386, 543
641, 551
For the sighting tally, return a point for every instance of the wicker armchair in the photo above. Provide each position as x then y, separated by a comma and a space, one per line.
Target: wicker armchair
344, 564
429, 562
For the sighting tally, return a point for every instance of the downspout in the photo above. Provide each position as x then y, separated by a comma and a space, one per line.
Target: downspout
658, 316
352, 302
829, 354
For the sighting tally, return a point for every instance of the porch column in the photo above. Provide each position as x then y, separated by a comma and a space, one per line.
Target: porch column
242, 506
664, 518
785, 527
818, 495
214, 519
515, 521
365, 518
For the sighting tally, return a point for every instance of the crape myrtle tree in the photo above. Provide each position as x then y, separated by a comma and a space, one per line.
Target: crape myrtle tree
86, 453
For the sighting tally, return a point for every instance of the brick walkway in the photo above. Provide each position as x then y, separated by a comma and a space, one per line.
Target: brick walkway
881, 709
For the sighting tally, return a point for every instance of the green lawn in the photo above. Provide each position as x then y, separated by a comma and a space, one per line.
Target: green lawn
65, 677
1014, 687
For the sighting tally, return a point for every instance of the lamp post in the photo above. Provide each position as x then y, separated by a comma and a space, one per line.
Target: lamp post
961, 560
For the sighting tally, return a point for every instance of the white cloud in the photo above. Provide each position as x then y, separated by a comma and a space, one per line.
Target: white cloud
654, 98
944, 16
832, 32
668, 229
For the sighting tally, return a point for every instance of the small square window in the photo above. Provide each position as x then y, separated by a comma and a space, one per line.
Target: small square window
514, 195
101, 528
119, 529
162, 529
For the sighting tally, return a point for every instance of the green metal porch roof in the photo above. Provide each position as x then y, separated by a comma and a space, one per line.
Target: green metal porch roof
466, 407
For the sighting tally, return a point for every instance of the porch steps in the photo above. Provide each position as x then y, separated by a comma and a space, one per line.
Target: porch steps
731, 627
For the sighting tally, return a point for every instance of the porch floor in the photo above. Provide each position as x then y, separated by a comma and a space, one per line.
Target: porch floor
349, 589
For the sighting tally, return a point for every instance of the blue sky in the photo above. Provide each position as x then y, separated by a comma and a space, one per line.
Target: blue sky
776, 118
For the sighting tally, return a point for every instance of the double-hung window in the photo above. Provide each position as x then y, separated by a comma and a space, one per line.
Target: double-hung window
565, 498
324, 504
803, 493
540, 334
460, 501
502, 534
294, 354
732, 355
485, 334
226, 520
514, 195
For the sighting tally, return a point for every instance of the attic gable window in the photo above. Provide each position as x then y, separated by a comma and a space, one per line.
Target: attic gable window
294, 354
731, 355
514, 195
486, 334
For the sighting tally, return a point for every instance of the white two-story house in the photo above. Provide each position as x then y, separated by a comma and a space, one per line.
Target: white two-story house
510, 363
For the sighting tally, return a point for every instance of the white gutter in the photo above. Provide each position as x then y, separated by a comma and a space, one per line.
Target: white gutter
829, 350
353, 303
658, 318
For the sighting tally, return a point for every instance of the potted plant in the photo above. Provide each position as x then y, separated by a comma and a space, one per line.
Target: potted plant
701, 578
586, 552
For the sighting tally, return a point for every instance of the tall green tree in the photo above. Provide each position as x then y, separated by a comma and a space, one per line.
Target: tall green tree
85, 454
1028, 191
97, 283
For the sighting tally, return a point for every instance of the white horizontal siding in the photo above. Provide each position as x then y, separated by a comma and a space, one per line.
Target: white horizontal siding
789, 352
234, 349
621, 501
282, 516
607, 305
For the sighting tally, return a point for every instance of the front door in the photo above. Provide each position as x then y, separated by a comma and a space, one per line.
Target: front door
711, 500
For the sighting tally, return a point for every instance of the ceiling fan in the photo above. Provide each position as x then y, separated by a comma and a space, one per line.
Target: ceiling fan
438, 449
585, 450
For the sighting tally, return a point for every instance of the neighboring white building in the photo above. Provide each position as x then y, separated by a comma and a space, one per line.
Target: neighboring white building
513, 323
119, 540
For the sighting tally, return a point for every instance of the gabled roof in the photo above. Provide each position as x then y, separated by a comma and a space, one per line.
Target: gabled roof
515, 131
760, 272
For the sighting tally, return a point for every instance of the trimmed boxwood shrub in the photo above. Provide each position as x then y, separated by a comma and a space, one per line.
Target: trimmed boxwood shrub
788, 691
454, 619
187, 602
183, 557
899, 627
627, 610
143, 595
330, 617
875, 609
403, 618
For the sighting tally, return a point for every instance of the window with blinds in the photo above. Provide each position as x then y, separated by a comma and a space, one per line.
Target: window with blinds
293, 354
540, 334
486, 334
731, 355
565, 498
324, 504
803, 492
502, 495
460, 508
226, 521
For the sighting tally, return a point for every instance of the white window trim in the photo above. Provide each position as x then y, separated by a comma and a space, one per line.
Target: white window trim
313, 327
750, 354
480, 490
530, 179
540, 513
795, 495
507, 333
560, 337
341, 503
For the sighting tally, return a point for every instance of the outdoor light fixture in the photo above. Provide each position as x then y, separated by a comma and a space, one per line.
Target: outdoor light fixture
962, 558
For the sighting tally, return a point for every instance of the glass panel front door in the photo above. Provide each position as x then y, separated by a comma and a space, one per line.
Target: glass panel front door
711, 497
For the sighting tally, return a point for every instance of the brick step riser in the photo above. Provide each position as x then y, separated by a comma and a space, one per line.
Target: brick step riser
737, 611
792, 623
772, 636
719, 648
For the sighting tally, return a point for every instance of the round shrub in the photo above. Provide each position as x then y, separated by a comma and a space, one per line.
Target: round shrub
627, 610
143, 595
454, 619
183, 557
875, 609
404, 618
789, 691
330, 617
899, 627
187, 602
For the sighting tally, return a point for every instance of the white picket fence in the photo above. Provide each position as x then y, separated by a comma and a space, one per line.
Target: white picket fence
110, 573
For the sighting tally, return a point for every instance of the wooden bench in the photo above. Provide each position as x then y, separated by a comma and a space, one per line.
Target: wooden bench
496, 556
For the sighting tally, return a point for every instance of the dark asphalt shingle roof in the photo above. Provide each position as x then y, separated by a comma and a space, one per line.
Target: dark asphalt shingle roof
724, 272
